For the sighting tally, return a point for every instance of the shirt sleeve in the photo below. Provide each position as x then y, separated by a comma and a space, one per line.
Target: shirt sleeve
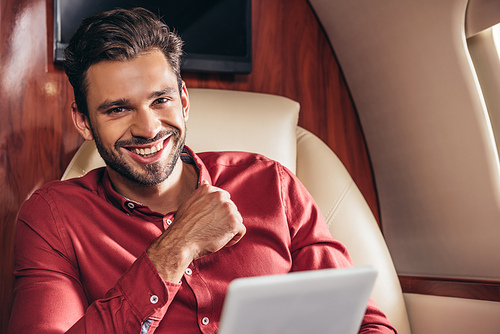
314, 248
48, 294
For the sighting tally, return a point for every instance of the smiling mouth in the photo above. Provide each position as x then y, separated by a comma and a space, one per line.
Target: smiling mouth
146, 151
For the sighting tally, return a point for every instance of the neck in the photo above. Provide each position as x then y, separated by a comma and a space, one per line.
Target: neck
164, 197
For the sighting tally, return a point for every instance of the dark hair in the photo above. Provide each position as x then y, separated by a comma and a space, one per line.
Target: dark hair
117, 35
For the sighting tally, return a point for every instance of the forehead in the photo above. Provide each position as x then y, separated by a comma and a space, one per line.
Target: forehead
146, 73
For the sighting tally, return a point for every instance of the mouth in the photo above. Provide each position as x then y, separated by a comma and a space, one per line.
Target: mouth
147, 151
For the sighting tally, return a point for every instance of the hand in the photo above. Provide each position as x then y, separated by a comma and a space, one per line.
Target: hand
206, 222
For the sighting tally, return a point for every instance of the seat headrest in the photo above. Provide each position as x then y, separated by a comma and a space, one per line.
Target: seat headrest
224, 120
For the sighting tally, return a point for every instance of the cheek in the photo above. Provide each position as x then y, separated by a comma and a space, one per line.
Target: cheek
110, 135
174, 118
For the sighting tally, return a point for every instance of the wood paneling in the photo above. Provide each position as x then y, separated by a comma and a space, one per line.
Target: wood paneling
36, 135
291, 56
448, 287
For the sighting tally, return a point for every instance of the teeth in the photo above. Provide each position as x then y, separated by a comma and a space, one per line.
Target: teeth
149, 151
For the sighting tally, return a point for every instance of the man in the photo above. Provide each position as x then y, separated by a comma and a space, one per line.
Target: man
150, 242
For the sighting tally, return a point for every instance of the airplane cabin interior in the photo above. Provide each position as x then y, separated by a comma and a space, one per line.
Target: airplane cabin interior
388, 112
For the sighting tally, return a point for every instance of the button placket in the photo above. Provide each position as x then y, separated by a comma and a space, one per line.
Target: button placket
201, 291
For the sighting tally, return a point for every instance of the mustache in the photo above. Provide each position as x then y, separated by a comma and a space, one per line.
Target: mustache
144, 141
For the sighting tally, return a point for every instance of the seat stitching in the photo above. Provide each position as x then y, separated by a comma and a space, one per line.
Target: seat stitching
335, 208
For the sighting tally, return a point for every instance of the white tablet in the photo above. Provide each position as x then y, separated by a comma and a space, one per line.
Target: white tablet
319, 301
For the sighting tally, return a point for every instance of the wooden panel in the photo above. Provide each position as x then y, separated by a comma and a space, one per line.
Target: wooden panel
37, 138
449, 287
292, 57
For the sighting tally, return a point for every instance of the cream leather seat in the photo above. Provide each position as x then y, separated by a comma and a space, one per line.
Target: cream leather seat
222, 120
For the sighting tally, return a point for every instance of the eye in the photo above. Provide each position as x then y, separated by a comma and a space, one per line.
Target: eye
161, 100
117, 110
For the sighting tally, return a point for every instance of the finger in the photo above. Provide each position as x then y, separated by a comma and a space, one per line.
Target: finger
222, 192
237, 236
234, 240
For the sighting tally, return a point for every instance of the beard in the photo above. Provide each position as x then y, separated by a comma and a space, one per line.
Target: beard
146, 174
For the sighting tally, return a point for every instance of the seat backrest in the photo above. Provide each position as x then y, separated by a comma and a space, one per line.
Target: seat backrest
222, 120
351, 221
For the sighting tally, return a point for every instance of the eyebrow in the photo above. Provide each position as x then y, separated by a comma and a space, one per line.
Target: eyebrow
121, 102
166, 91
108, 104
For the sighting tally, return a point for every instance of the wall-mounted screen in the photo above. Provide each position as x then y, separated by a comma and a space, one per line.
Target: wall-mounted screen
217, 33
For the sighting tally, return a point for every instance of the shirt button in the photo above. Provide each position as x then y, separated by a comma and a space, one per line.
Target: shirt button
131, 205
153, 299
169, 222
189, 271
205, 321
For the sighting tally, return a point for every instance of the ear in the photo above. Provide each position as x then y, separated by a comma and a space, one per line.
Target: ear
81, 122
185, 101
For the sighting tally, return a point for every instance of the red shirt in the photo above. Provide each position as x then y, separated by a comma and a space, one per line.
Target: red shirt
80, 261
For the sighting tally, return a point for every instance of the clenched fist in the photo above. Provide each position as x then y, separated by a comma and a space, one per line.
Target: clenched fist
206, 222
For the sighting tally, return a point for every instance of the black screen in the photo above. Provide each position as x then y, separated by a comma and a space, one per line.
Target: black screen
216, 33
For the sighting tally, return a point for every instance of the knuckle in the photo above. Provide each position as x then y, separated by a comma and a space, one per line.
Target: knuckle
227, 205
205, 188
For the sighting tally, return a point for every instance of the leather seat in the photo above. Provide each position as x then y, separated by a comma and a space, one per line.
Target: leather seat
222, 120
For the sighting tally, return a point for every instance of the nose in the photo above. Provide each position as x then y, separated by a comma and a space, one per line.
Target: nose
146, 123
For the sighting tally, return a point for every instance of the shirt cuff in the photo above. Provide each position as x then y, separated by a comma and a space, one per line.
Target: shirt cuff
145, 290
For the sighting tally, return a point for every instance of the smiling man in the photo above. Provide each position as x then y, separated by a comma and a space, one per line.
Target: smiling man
150, 242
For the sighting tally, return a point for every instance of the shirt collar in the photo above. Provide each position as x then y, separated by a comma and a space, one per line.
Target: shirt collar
202, 170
